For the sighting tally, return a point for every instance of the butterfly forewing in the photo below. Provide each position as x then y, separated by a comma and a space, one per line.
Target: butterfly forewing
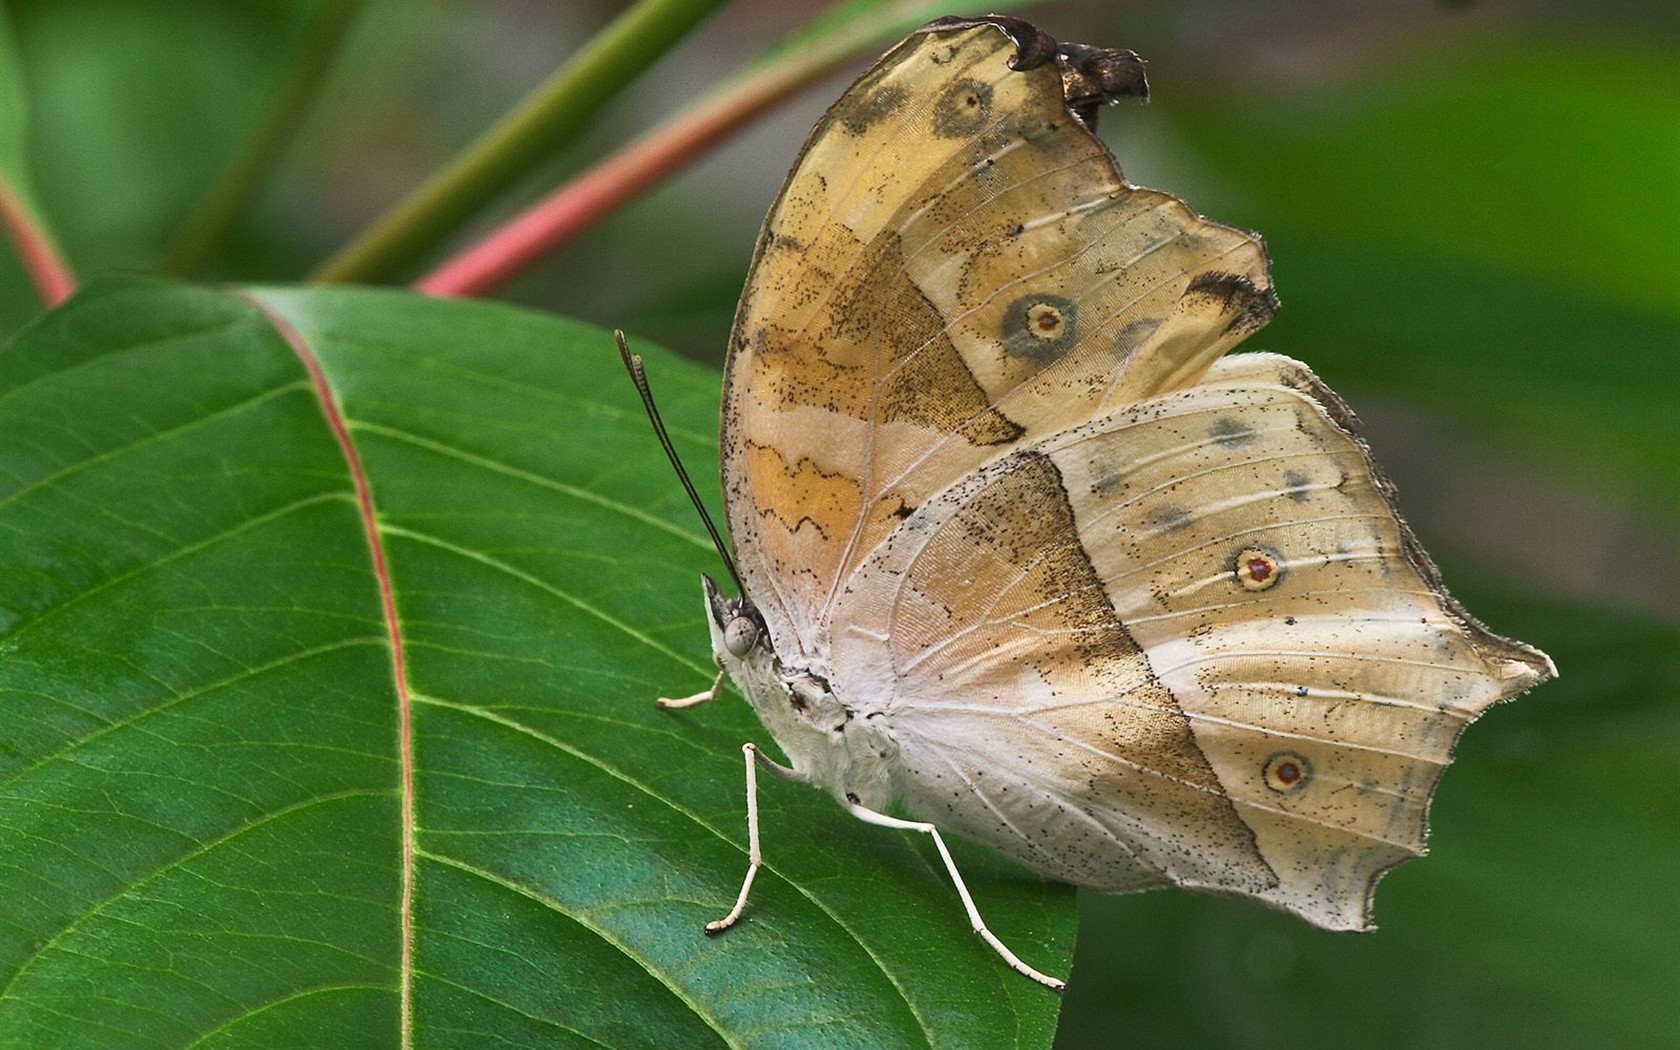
955, 266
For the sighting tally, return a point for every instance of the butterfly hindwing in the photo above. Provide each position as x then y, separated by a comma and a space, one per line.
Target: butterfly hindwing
1194, 633
1254, 550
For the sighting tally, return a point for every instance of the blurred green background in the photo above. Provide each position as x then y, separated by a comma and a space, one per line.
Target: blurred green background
1474, 216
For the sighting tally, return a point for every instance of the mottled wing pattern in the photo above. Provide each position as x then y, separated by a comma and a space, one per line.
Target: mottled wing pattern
1190, 638
955, 267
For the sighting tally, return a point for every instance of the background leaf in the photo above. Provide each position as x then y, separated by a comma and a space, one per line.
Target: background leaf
202, 806
1574, 195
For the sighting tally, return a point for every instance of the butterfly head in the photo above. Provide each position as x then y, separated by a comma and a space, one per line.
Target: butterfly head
837, 745
741, 647
737, 627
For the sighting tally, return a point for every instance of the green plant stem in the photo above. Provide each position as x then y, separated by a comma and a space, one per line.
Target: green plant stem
546, 119
204, 234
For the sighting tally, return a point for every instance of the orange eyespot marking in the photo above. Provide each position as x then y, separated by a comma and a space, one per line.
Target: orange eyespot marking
1257, 568
1039, 327
1044, 320
1287, 772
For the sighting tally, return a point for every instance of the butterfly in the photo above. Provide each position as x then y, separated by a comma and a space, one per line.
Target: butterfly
1024, 556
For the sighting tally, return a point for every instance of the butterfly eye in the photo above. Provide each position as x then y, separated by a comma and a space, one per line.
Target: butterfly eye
740, 636
1257, 568
1287, 773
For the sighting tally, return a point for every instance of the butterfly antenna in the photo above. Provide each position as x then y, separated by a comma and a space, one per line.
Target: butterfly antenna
638, 375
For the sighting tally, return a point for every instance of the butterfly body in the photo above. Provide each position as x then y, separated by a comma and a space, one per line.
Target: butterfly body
840, 745
1025, 554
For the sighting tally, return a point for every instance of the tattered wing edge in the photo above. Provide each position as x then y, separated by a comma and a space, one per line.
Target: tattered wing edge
1536, 666
1302, 378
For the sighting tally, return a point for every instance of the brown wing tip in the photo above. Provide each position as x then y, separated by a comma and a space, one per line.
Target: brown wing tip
1523, 667
1248, 305
1091, 76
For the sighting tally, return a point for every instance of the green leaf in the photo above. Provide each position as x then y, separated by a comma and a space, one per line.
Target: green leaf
204, 739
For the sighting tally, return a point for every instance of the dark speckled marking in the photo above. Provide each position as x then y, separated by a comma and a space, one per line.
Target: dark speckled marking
964, 109
934, 388
1248, 305
1231, 433
1134, 335
1173, 519
880, 103
1297, 484
1106, 482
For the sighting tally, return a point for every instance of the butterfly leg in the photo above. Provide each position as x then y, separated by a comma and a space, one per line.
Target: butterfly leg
698, 698
755, 859
869, 816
